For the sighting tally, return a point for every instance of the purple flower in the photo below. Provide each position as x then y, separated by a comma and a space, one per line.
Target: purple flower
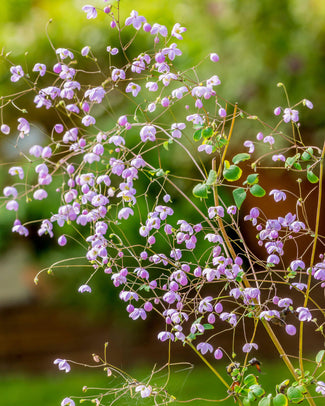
84, 288
40, 194
125, 213
148, 132
297, 264
23, 127
96, 94
320, 388
269, 139
290, 329
177, 31
5, 129
12, 205
165, 335
204, 348
64, 53
277, 111
67, 402
218, 354
250, 145
290, 115
249, 346
16, 170
159, 29
63, 365
118, 74
278, 195
62, 240
41, 68
304, 314
222, 112
308, 103
214, 57
90, 10
88, 120
145, 391
278, 157
135, 20
259, 136
112, 51
16, 72
285, 302
133, 88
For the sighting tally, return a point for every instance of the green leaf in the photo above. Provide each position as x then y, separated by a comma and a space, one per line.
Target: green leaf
291, 160
232, 173
246, 402
251, 179
240, 158
207, 132
201, 190
221, 141
297, 165
312, 177
208, 326
295, 394
211, 178
165, 145
280, 400
257, 390
305, 156
265, 401
257, 191
250, 380
239, 196
197, 135
320, 356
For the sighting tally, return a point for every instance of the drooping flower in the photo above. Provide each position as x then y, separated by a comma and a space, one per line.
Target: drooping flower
278, 195
133, 88
249, 346
204, 348
63, 365
84, 288
90, 10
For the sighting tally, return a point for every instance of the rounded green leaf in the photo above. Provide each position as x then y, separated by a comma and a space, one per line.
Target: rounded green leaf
250, 380
252, 179
211, 178
201, 191
312, 177
239, 196
295, 394
240, 158
197, 135
257, 191
280, 400
207, 132
305, 156
320, 356
257, 390
246, 402
265, 401
232, 173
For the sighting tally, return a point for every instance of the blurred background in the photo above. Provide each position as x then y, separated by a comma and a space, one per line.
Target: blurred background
260, 43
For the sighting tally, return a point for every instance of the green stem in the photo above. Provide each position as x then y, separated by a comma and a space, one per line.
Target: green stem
208, 364
312, 258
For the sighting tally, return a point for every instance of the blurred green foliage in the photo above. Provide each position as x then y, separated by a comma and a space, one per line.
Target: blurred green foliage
260, 43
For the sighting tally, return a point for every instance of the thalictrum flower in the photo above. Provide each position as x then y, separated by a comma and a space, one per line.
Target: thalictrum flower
41, 68
90, 10
290, 115
84, 288
17, 73
214, 57
177, 31
135, 20
63, 365
67, 402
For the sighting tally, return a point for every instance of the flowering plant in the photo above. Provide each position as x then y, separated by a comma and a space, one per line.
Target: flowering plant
197, 270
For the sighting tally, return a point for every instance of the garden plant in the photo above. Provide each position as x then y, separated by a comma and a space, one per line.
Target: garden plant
116, 180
